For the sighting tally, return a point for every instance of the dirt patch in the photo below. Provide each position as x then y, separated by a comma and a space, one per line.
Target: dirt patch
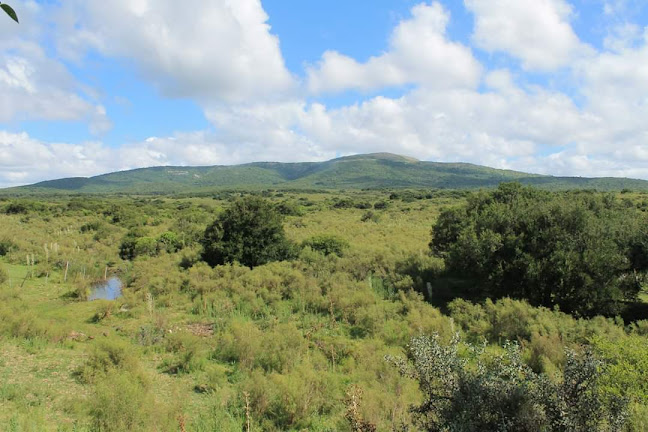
201, 329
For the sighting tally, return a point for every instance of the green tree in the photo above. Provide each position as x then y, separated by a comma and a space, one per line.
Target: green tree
250, 232
585, 252
9, 11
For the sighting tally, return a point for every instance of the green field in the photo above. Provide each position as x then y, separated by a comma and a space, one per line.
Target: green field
283, 346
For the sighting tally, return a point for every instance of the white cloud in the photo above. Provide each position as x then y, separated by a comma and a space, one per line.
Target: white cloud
209, 51
36, 86
455, 112
622, 37
537, 32
419, 53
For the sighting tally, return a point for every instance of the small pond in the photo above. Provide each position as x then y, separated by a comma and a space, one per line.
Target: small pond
110, 289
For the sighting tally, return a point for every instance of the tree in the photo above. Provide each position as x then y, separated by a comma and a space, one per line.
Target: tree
249, 232
584, 252
471, 392
9, 11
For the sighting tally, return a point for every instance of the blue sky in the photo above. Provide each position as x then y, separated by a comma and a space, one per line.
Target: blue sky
549, 86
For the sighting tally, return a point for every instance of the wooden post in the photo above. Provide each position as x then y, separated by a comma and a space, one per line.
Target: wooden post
247, 411
67, 265
106, 273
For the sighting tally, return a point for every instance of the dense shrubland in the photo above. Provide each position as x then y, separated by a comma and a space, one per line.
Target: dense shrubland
298, 343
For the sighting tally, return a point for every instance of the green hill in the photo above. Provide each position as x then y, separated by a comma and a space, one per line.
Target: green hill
377, 170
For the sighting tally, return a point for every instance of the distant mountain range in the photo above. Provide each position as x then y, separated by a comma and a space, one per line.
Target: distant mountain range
376, 170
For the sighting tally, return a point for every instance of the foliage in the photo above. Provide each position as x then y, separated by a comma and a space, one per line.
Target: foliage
6, 246
369, 216
4, 276
583, 252
286, 345
503, 394
9, 11
288, 208
136, 244
359, 172
327, 244
249, 232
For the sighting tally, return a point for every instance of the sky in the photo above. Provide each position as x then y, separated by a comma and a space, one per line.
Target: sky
544, 86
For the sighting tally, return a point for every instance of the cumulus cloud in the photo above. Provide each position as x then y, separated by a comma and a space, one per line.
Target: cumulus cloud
36, 86
537, 32
216, 50
26, 160
419, 53
456, 110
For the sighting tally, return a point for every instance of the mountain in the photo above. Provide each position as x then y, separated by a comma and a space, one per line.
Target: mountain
376, 170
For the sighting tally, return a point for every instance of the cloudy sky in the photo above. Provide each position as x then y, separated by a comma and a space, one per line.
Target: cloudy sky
546, 86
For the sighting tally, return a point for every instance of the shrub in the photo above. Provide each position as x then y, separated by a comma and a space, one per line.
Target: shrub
584, 252
6, 246
16, 208
369, 216
288, 208
146, 246
4, 276
108, 355
249, 232
327, 244
503, 394
169, 242
121, 402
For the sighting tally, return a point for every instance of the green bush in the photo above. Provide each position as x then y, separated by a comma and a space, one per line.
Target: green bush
6, 246
169, 242
370, 216
108, 355
586, 253
473, 392
4, 276
122, 402
249, 232
327, 244
146, 246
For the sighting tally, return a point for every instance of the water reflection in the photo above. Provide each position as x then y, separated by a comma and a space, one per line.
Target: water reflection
110, 289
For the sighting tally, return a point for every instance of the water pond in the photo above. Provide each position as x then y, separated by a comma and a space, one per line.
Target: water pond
110, 289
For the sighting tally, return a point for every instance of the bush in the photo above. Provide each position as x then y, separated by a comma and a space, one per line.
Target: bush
503, 394
169, 242
6, 246
146, 246
122, 402
327, 244
288, 208
249, 232
108, 355
16, 208
4, 276
584, 252
369, 216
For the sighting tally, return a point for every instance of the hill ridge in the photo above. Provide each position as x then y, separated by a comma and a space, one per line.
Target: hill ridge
363, 171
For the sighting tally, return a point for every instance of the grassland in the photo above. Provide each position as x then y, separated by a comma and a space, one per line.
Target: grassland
282, 345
